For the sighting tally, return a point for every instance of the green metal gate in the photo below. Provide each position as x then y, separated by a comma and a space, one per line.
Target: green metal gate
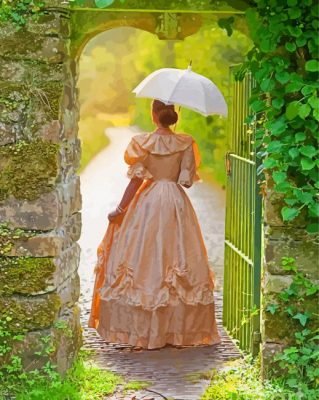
241, 301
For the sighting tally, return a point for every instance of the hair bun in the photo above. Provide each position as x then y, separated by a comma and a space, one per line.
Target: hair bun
167, 116
166, 113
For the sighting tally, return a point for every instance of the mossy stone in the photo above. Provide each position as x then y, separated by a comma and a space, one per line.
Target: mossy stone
30, 313
24, 275
28, 169
280, 327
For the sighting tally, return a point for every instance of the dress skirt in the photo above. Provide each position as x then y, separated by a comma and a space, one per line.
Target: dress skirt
153, 283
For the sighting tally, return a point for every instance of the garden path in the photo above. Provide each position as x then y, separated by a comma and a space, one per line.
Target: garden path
174, 373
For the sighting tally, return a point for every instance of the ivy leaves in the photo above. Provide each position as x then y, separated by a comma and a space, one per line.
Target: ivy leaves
300, 358
103, 3
285, 66
106, 3
312, 66
17, 12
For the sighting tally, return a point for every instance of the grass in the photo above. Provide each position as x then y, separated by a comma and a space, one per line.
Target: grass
240, 380
92, 134
84, 381
135, 385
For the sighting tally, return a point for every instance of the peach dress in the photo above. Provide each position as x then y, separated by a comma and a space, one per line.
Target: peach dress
153, 283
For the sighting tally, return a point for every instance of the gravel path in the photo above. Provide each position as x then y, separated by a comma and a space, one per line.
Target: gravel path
174, 373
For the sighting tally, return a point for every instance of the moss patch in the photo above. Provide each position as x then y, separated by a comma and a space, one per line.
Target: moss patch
24, 275
30, 313
28, 169
9, 235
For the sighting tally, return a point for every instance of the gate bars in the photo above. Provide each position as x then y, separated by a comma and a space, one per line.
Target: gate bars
242, 268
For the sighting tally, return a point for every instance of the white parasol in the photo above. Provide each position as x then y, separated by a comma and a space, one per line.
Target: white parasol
185, 88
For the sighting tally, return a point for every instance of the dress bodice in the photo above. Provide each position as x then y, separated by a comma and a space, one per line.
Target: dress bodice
164, 167
171, 157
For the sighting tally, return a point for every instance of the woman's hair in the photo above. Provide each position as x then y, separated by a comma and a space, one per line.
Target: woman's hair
166, 113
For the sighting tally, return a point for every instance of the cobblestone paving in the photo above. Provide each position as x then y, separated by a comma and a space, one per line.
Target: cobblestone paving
175, 373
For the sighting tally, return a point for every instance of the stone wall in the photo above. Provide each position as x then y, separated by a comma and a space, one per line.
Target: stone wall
284, 240
40, 200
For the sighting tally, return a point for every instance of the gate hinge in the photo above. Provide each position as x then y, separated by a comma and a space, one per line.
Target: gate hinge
228, 162
256, 337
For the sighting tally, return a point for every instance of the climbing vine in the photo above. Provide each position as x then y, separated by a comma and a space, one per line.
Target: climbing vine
284, 64
298, 306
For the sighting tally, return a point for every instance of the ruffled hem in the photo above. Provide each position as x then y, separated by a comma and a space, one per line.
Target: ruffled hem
175, 325
173, 339
177, 289
185, 178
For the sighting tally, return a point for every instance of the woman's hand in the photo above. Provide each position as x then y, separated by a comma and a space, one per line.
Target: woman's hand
114, 215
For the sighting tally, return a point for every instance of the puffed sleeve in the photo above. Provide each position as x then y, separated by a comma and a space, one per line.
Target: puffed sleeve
189, 164
134, 156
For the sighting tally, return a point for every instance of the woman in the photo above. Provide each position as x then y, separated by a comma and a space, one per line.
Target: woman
153, 285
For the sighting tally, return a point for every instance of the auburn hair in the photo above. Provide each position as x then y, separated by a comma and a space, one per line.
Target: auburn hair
166, 114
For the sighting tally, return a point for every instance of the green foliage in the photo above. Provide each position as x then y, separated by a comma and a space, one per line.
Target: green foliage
294, 372
136, 385
83, 381
18, 11
103, 3
284, 64
300, 360
240, 380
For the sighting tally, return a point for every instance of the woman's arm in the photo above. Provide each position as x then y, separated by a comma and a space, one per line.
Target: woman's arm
128, 195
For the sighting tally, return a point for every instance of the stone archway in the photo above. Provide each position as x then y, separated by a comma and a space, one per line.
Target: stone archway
40, 199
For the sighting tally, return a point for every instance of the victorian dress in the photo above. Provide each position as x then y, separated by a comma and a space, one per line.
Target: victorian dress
153, 283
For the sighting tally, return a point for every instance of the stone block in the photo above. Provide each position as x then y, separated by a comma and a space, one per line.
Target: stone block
48, 244
14, 101
69, 290
50, 24
8, 133
42, 123
65, 341
32, 276
275, 283
280, 327
24, 71
273, 204
29, 313
51, 131
33, 110
72, 228
47, 212
70, 120
306, 254
28, 169
269, 367
22, 44
70, 158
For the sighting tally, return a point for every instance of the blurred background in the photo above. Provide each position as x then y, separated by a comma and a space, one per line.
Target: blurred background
115, 61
